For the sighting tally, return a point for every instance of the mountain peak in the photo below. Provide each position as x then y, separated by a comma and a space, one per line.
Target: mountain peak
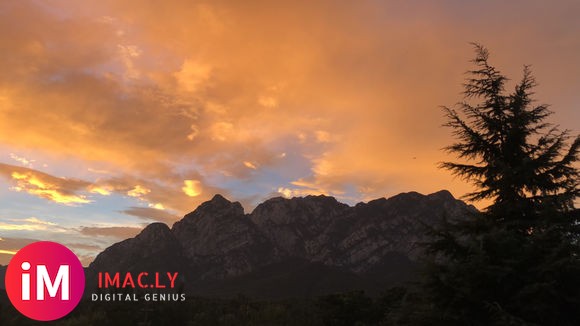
217, 198
442, 194
156, 227
155, 231
219, 236
217, 206
279, 210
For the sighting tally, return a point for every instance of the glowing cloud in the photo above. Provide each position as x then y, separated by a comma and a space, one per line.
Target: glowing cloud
103, 191
192, 188
138, 191
323, 136
250, 165
35, 220
297, 192
23, 226
191, 95
158, 206
31, 184
192, 75
222, 131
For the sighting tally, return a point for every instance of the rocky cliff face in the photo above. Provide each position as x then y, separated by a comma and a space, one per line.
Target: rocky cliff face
320, 229
384, 227
2, 276
219, 237
301, 227
218, 243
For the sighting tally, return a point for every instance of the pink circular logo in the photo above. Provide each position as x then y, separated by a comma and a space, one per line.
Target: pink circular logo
45, 281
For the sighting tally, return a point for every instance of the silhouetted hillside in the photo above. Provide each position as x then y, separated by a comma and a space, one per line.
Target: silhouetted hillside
295, 247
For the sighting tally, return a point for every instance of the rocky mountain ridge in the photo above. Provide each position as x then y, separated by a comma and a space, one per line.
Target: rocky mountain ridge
218, 245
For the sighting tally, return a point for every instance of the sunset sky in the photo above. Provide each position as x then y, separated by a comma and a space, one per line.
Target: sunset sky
118, 113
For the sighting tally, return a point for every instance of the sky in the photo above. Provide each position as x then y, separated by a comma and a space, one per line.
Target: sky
118, 113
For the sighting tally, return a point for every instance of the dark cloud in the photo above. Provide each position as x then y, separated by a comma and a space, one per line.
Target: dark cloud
14, 244
119, 232
9, 246
153, 214
84, 246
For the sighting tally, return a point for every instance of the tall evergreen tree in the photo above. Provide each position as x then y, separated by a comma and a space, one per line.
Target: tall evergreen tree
518, 261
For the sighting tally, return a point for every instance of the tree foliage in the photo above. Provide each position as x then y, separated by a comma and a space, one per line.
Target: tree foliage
518, 261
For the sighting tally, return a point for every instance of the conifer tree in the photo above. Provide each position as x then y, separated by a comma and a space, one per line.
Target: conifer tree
517, 262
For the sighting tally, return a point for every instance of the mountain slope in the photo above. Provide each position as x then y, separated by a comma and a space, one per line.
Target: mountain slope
218, 236
287, 247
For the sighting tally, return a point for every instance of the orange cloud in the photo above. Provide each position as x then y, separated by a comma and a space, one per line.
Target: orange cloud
192, 188
138, 191
104, 191
59, 190
193, 75
29, 183
73, 192
351, 87
250, 165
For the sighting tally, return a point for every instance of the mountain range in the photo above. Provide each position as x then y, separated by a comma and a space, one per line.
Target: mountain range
284, 248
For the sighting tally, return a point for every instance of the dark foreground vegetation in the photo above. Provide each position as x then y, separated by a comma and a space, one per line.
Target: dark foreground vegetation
353, 308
